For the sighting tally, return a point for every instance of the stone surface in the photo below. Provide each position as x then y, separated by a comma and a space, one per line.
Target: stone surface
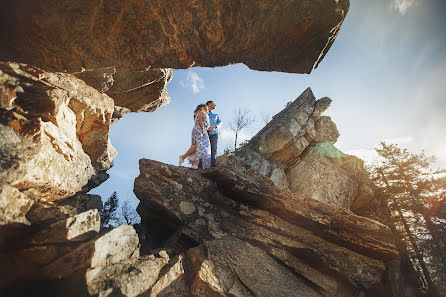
13, 206
326, 130
279, 145
232, 267
86, 202
289, 36
129, 278
136, 91
317, 177
174, 272
311, 239
118, 245
55, 234
79, 227
290, 131
54, 131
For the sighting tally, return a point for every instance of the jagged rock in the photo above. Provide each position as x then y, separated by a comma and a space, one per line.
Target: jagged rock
24, 256
172, 274
85, 202
295, 150
118, 245
95, 180
279, 145
326, 130
21, 266
48, 212
13, 206
327, 222
310, 238
79, 227
232, 267
81, 202
54, 131
130, 278
317, 177
136, 91
291, 35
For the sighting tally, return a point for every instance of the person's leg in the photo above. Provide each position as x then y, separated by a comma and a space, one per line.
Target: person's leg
192, 149
213, 139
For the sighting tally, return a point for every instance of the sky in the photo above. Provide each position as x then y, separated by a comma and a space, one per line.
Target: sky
385, 74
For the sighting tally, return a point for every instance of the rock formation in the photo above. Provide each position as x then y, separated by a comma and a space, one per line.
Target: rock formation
223, 220
295, 150
126, 49
220, 207
263, 223
132, 91
54, 132
289, 35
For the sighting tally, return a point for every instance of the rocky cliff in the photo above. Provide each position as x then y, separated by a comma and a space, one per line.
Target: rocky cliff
126, 48
263, 223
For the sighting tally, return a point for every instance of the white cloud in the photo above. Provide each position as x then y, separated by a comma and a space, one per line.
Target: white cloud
226, 134
193, 81
401, 6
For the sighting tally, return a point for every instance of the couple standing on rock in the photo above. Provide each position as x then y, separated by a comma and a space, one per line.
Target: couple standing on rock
204, 137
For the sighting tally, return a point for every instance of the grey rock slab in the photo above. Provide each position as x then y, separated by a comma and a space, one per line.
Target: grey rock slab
79, 227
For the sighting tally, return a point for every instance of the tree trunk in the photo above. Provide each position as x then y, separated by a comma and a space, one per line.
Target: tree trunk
235, 144
410, 280
432, 288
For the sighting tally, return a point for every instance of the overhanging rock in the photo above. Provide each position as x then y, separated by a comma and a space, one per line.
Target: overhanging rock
288, 35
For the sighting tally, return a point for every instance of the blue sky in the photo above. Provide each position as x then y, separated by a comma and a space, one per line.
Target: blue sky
386, 75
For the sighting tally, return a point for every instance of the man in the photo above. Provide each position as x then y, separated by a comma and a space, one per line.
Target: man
215, 124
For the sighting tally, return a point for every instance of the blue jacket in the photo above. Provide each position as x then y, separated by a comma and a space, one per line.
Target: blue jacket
214, 120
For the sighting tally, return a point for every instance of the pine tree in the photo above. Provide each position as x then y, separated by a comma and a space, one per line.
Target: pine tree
108, 214
413, 186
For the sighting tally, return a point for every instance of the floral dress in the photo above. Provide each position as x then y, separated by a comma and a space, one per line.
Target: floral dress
203, 151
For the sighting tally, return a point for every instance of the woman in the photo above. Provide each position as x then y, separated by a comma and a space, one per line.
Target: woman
201, 138
200, 148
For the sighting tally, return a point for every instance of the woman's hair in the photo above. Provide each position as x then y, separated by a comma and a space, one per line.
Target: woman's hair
199, 106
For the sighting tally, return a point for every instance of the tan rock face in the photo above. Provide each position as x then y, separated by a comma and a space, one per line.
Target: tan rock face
289, 35
295, 150
54, 131
326, 130
13, 206
279, 145
137, 91
232, 267
317, 177
309, 238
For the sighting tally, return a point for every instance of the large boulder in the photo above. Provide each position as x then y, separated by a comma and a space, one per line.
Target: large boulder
279, 145
132, 91
317, 177
296, 151
54, 132
290, 35
181, 208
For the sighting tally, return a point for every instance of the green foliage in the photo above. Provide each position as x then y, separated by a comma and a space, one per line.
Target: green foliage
109, 217
417, 202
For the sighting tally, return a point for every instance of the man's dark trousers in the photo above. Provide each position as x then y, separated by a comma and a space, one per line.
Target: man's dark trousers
213, 138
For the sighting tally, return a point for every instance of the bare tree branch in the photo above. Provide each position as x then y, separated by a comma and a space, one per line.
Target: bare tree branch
266, 117
128, 214
242, 119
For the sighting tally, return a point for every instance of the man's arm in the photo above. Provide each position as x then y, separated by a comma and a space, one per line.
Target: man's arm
218, 122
